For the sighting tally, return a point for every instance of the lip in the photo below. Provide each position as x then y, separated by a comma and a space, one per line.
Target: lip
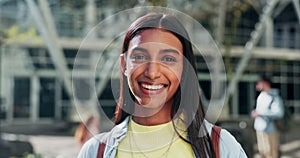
151, 88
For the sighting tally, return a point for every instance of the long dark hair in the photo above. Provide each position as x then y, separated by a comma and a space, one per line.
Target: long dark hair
186, 99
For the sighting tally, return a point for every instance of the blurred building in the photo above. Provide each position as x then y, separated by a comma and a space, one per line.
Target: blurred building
38, 54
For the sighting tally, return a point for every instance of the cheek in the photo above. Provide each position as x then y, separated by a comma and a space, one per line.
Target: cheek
132, 75
178, 72
129, 66
175, 76
130, 78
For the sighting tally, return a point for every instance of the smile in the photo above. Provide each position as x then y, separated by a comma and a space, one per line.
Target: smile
152, 87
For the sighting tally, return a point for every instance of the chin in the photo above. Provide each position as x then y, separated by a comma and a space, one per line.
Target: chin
146, 110
151, 105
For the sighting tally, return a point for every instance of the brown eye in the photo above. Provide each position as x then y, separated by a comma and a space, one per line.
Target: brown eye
168, 59
139, 58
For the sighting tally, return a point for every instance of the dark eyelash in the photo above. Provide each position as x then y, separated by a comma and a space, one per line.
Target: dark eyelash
172, 59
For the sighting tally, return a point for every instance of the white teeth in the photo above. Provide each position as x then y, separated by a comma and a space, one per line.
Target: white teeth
152, 87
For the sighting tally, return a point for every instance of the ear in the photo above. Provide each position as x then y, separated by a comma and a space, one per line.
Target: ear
123, 64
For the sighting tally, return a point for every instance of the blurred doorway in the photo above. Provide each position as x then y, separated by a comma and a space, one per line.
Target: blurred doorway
21, 108
47, 98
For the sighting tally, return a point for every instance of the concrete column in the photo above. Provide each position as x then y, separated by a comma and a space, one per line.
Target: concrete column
235, 103
220, 28
269, 33
34, 98
58, 99
9, 97
90, 15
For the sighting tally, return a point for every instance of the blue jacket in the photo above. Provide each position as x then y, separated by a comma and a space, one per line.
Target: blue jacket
229, 147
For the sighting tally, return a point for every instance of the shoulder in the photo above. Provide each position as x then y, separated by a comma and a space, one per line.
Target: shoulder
229, 147
90, 148
265, 94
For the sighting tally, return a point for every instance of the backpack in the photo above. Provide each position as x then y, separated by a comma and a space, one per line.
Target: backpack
215, 138
282, 124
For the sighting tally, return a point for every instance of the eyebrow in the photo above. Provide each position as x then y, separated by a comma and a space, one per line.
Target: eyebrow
169, 51
161, 51
140, 49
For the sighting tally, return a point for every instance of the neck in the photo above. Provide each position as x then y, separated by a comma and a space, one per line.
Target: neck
153, 117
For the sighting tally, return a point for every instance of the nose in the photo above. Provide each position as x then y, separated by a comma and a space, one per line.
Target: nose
152, 70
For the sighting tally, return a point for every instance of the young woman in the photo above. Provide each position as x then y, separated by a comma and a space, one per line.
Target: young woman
159, 113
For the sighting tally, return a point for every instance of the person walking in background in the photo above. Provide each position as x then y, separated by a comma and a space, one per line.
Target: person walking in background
159, 113
269, 107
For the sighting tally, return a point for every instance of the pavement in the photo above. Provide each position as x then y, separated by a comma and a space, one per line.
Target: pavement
50, 139
50, 146
56, 140
55, 146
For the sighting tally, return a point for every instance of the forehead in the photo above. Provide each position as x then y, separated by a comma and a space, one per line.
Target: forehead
156, 37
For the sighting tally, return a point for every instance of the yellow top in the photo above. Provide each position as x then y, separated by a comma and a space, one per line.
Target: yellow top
158, 141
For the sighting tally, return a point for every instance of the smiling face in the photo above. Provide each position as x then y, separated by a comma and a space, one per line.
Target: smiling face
154, 64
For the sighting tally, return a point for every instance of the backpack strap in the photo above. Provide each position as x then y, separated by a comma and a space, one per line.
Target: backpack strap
101, 150
101, 147
272, 100
215, 138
